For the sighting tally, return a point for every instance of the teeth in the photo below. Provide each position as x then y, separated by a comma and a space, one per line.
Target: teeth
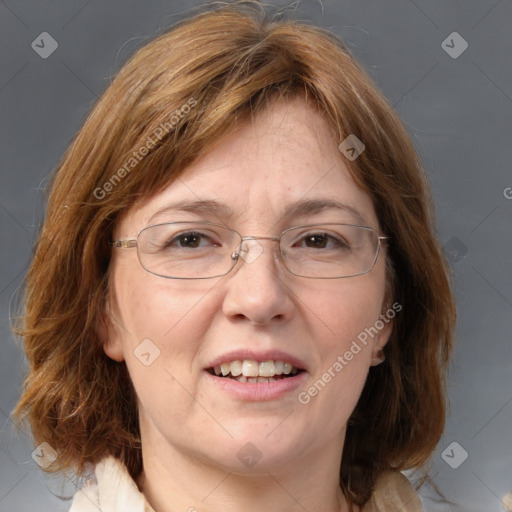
267, 369
252, 370
225, 368
254, 380
236, 368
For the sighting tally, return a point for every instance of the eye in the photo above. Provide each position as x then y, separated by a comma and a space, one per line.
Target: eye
321, 241
190, 240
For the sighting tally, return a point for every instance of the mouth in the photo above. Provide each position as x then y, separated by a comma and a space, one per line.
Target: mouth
251, 371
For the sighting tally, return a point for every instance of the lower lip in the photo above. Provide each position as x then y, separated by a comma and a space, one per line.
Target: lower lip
259, 391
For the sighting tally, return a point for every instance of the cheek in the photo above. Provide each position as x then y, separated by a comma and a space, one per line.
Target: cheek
168, 320
163, 310
164, 330
345, 309
346, 314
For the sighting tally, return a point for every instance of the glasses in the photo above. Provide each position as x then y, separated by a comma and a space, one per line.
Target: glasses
203, 250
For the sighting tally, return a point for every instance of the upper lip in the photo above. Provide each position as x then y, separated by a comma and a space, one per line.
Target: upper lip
263, 355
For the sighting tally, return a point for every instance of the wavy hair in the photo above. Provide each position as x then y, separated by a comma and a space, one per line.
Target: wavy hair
232, 61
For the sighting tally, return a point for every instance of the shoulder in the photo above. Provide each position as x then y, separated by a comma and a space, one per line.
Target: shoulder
392, 492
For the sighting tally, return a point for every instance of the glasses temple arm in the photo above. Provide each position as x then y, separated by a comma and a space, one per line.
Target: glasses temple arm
124, 244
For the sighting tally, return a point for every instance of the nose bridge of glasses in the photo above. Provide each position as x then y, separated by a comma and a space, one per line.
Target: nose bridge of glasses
274, 238
249, 249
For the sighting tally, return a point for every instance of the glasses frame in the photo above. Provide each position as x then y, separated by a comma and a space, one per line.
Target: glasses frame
235, 256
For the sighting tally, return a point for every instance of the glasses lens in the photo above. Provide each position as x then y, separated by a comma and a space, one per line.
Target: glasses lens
329, 250
187, 250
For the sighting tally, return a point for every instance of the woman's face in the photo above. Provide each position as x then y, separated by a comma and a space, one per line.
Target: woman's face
172, 333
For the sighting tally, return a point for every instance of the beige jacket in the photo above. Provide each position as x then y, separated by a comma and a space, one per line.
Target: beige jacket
113, 490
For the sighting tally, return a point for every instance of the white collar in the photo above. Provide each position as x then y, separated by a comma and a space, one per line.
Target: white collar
113, 490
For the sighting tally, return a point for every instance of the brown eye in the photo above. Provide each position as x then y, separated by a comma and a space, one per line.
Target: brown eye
190, 240
321, 241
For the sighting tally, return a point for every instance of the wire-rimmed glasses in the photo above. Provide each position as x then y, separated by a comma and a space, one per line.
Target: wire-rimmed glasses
204, 250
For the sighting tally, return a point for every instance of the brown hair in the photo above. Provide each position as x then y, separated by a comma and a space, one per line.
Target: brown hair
227, 64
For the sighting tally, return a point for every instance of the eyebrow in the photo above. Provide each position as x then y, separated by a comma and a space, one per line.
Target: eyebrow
200, 207
313, 206
222, 211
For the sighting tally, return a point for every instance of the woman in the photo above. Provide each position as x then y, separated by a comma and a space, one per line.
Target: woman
237, 299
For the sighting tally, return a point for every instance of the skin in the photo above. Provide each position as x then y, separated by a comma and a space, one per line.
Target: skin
191, 431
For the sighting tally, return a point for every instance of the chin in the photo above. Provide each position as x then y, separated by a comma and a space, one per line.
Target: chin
254, 460
256, 449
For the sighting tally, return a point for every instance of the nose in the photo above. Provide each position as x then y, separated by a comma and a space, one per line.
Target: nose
256, 287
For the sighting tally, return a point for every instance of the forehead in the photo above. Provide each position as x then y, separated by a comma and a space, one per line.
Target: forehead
283, 163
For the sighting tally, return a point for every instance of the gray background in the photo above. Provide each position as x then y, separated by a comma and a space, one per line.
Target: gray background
458, 111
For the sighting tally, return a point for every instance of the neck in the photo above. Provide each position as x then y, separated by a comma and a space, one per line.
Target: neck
174, 481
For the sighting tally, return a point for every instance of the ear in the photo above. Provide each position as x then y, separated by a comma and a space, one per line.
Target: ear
380, 340
109, 331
